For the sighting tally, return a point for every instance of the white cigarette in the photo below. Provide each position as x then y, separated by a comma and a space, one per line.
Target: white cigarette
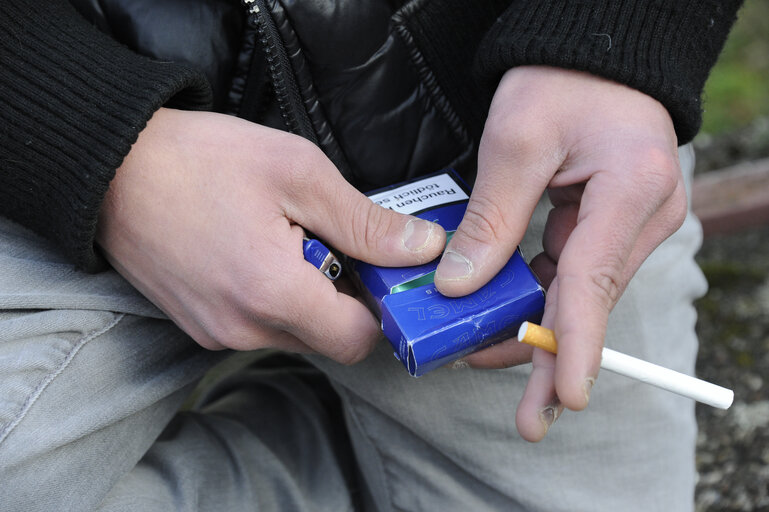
638, 369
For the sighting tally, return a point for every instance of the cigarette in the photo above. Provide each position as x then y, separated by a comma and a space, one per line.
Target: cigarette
644, 371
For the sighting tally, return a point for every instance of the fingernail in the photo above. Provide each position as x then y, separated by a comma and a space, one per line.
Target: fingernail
549, 414
460, 364
587, 387
416, 234
454, 266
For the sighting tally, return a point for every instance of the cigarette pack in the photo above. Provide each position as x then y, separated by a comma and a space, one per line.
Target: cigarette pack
427, 329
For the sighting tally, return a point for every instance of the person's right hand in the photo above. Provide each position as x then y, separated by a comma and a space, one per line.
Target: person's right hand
205, 218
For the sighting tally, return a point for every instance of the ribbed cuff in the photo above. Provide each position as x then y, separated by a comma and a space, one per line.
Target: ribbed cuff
662, 48
73, 103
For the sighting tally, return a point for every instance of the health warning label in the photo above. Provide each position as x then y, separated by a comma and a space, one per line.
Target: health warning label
421, 195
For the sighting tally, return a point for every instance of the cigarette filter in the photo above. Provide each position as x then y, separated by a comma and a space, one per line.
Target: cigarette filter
638, 369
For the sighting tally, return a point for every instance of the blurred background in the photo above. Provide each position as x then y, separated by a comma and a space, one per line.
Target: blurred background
733, 172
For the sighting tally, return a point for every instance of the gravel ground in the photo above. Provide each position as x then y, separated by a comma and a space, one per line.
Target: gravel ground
733, 445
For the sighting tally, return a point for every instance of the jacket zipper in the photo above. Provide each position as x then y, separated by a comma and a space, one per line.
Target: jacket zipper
287, 93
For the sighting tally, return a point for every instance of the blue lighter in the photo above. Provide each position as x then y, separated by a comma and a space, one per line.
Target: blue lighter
322, 258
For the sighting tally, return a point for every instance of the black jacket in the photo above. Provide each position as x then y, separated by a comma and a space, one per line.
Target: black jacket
387, 88
349, 75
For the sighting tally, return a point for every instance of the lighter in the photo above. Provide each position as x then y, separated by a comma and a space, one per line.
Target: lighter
322, 258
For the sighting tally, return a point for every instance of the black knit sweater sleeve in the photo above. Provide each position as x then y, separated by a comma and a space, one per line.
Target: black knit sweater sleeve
663, 48
72, 102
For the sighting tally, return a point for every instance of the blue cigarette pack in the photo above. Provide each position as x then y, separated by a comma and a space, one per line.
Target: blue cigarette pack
427, 329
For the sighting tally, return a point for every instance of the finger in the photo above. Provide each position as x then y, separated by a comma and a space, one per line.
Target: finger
563, 195
593, 271
539, 407
258, 337
561, 221
660, 226
324, 203
331, 323
511, 178
295, 297
230, 329
544, 268
346, 286
501, 355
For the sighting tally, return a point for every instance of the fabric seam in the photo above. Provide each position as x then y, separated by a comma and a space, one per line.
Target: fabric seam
380, 458
309, 93
30, 401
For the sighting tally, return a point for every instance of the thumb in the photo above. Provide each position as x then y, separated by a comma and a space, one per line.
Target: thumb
355, 225
504, 197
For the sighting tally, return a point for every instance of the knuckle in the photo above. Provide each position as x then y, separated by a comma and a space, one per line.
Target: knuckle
352, 354
298, 173
676, 209
661, 173
267, 307
373, 222
606, 283
680, 207
347, 349
483, 221
503, 137
306, 152
662, 157
494, 133
232, 331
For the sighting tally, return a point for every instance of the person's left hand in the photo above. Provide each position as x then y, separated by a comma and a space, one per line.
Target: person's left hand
607, 154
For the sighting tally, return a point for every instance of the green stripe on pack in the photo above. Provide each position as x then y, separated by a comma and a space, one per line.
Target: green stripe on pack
428, 278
